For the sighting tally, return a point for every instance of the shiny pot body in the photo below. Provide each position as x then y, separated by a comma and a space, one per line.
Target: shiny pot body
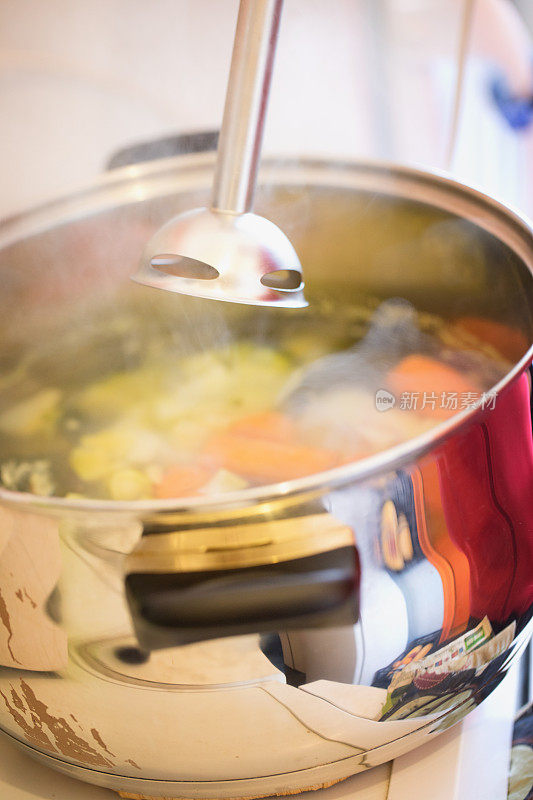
271, 640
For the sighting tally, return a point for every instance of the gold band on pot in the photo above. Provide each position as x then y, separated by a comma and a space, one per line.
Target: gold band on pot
235, 546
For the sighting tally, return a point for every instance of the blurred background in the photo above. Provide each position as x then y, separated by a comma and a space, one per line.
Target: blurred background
441, 83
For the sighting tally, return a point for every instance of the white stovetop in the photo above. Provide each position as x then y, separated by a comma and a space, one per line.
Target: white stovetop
456, 766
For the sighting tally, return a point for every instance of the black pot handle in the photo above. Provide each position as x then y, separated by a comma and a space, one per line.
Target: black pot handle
251, 582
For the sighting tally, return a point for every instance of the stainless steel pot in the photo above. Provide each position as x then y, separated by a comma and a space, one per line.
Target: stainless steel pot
264, 642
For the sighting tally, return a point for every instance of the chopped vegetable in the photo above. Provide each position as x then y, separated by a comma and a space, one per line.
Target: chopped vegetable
509, 342
224, 481
28, 476
261, 460
103, 398
129, 484
100, 454
182, 481
269, 425
420, 375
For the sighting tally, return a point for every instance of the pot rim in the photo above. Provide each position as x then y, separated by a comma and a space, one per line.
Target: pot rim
124, 186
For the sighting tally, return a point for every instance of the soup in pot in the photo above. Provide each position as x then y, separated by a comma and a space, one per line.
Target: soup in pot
183, 412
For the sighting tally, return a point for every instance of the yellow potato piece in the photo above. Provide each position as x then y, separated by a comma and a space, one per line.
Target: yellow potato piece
129, 484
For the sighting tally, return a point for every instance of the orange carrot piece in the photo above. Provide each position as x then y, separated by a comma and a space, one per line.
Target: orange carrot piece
509, 342
262, 460
182, 481
418, 374
270, 425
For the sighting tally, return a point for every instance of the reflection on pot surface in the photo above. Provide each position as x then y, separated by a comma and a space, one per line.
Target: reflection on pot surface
234, 565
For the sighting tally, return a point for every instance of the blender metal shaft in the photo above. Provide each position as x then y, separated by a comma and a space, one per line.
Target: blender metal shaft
241, 134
